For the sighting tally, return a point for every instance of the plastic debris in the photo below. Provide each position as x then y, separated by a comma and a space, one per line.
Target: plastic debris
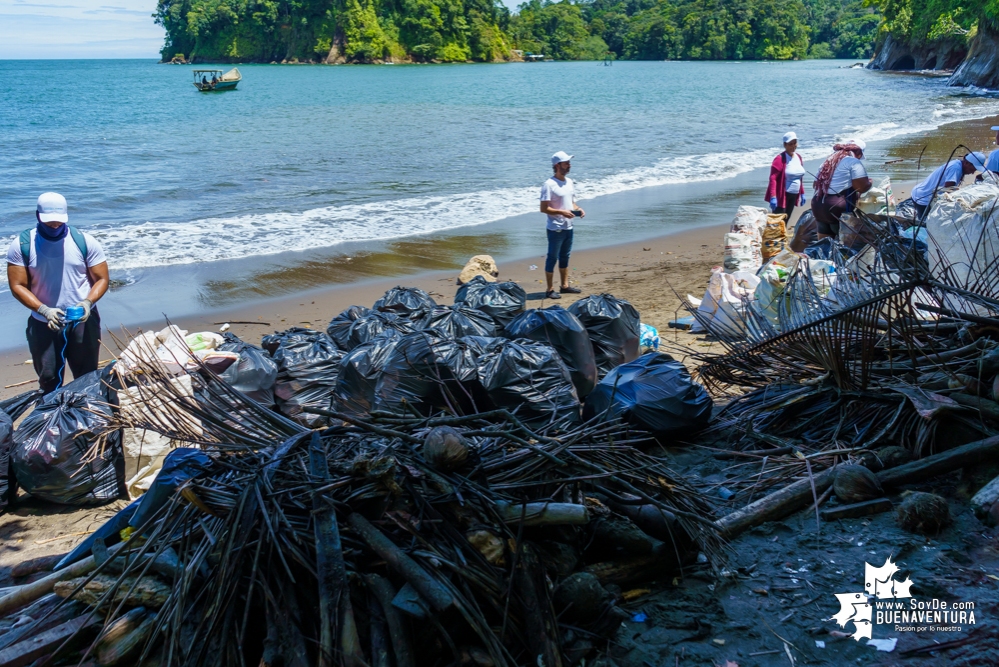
655, 393
563, 331
613, 326
501, 301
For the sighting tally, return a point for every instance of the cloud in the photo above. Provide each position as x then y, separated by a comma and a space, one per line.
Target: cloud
84, 29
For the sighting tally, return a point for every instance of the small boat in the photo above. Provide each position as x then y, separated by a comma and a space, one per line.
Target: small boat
208, 80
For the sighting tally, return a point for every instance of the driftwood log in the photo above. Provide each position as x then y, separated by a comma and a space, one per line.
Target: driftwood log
775, 506
985, 498
28, 593
435, 593
26, 652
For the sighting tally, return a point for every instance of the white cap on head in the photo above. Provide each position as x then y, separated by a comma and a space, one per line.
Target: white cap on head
995, 128
561, 156
977, 160
859, 143
789, 137
52, 207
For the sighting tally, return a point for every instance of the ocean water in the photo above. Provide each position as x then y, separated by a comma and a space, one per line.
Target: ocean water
300, 157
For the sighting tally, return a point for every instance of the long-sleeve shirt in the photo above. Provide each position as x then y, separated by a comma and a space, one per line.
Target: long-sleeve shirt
776, 187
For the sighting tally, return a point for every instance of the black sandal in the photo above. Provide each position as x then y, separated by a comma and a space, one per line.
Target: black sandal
552, 294
571, 290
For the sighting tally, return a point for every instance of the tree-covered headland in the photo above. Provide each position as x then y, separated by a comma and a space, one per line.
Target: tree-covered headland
485, 31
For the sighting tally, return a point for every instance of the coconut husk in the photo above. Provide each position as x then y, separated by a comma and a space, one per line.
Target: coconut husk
924, 513
855, 484
445, 449
581, 597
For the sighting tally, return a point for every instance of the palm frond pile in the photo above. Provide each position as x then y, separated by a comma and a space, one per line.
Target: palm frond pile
389, 540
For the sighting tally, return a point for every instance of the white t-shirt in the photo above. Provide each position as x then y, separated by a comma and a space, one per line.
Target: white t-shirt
992, 164
794, 171
848, 169
57, 272
952, 171
558, 194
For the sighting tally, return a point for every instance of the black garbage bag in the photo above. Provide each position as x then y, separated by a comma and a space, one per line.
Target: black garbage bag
614, 327
501, 301
827, 249
359, 372
563, 331
430, 373
8, 481
906, 209
57, 454
372, 325
18, 405
254, 374
654, 393
458, 321
531, 379
307, 363
405, 301
339, 326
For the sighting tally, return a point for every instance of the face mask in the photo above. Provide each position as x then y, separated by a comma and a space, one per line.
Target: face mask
52, 233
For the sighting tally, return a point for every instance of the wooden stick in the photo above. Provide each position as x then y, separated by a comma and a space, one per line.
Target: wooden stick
27, 593
379, 633
19, 384
538, 626
775, 506
988, 409
438, 596
938, 464
35, 565
985, 498
332, 572
26, 652
544, 514
398, 632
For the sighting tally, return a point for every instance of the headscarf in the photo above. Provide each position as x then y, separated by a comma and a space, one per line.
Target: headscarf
840, 151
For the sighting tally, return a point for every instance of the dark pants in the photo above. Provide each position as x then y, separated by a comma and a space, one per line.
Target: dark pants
83, 347
559, 247
788, 207
828, 210
920, 210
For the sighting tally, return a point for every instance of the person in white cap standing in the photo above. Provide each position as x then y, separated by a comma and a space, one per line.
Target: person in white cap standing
787, 179
947, 175
841, 180
558, 202
51, 268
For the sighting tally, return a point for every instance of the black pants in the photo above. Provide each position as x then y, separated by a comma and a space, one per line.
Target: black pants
920, 211
788, 207
83, 347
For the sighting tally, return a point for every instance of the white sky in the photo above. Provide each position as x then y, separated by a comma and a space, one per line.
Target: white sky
85, 29
79, 29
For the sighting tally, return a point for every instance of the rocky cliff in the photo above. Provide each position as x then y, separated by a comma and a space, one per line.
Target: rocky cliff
899, 55
981, 67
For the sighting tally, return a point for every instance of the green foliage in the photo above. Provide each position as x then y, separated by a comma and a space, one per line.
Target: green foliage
944, 21
484, 30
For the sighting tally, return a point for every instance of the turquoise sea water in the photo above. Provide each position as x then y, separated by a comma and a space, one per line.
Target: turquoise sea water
305, 158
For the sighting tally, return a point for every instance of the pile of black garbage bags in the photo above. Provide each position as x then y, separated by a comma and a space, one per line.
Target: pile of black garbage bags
405, 355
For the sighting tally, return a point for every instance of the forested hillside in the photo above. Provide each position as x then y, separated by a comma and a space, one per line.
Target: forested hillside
484, 30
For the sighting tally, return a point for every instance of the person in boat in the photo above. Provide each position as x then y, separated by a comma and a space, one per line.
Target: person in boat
214, 80
947, 175
50, 268
204, 81
558, 202
787, 179
841, 180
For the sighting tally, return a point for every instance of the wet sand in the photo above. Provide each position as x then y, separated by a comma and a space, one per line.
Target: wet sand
645, 272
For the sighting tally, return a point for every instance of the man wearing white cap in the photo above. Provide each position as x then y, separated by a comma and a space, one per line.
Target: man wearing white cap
558, 202
51, 268
947, 175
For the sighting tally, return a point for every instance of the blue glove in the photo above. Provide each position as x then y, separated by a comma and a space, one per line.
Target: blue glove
773, 204
801, 200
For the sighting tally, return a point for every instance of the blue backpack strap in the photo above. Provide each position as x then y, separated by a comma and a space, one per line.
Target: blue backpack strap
25, 240
81, 242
